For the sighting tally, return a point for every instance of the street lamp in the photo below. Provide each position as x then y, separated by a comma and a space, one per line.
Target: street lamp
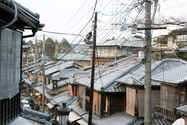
63, 115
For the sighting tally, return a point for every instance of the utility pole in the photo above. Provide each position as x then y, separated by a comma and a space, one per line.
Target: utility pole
93, 72
147, 107
43, 86
36, 67
27, 74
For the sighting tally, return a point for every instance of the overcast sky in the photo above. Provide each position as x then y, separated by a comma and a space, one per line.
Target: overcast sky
70, 16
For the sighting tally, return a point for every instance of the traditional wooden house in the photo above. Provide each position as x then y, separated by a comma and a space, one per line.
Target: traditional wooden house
60, 79
56, 85
55, 69
108, 99
134, 84
173, 90
110, 51
120, 88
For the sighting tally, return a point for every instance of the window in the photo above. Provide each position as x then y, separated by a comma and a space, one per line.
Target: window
182, 99
165, 97
98, 51
174, 41
182, 38
129, 52
106, 51
102, 51
111, 51
176, 99
124, 51
179, 99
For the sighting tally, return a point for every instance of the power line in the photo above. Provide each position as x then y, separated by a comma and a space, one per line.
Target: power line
73, 15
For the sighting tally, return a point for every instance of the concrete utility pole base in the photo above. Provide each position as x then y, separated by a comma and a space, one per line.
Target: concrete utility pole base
147, 107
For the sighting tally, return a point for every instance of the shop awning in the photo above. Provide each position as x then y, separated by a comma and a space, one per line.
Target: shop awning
82, 122
73, 117
50, 105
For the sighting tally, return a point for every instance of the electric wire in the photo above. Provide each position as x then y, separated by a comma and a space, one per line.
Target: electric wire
73, 15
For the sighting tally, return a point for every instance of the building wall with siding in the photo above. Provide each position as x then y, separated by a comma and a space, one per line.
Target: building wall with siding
155, 101
167, 96
97, 103
83, 63
116, 103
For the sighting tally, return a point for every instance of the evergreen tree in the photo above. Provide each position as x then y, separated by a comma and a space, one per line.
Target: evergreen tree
49, 47
64, 46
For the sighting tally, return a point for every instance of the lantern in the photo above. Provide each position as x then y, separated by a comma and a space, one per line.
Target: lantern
63, 115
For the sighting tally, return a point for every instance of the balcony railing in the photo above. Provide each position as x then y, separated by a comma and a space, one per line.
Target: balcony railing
166, 112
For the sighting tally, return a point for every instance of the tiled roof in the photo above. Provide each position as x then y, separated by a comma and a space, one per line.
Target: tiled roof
60, 84
63, 99
88, 67
66, 73
116, 87
180, 30
25, 17
116, 119
31, 63
157, 67
26, 80
183, 49
26, 47
75, 107
37, 116
154, 121
47, 66
79, 48
39, 89
131, 42
174, 76
58, 67
73, 56
24, 121
104, 79
117, 62
182, 108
